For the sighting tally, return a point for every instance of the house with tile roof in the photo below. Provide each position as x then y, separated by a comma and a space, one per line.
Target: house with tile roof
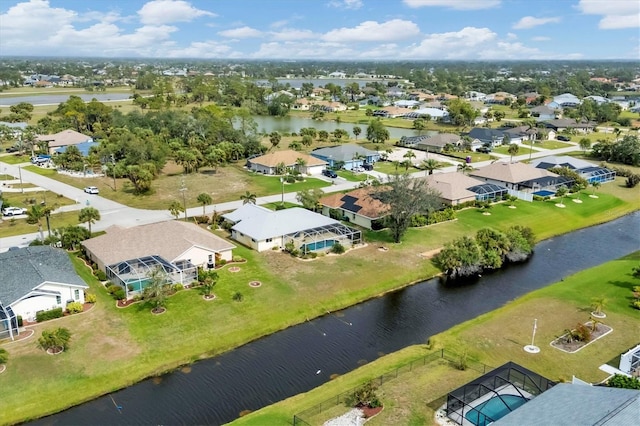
128, 255
589, 171
458, 188
303, 163
562, 124
64, 138
437, 143
262, 229
357, 207
34, 279
520, 177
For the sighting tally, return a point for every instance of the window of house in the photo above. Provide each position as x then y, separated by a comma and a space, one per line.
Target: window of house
58, 300
76, 294
210, 258
269, 240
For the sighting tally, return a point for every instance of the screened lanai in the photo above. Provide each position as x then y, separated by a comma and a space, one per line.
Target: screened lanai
495, 394
134, 274
324, 237
597, 174
489, 191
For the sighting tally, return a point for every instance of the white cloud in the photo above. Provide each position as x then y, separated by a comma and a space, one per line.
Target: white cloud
203, 49
512, 36
531, 22
451, 45
159, 12
290, 34
304, 50
28, 22
454, 4
346, 4
615, 14
242, 32
396, 29
540, 38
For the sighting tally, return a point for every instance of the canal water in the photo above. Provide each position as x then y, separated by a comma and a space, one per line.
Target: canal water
53, 99
300, 358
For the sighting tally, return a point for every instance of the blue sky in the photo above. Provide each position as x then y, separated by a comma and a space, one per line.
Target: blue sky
323, 29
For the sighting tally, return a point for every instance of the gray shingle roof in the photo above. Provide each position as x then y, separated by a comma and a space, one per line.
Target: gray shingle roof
24, 269
344, 152
569, 404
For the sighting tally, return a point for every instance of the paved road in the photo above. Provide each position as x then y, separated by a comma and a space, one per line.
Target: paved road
114, 213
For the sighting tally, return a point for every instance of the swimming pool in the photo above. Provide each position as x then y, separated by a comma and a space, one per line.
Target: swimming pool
494, 409
544, 193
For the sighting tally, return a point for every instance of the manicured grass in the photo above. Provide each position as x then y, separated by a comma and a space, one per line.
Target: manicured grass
548, 144
389, 168
15, 159
475, 156
127, 348
275, 206
493, 339
351, 176
13, 226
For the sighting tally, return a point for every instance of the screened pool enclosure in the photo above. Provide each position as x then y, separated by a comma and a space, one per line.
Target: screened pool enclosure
134, 274
495, 394
322, 238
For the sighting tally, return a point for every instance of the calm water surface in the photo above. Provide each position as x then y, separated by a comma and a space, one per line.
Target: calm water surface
285, 363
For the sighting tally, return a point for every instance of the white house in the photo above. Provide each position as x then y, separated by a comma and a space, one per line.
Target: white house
262, 229
35, 279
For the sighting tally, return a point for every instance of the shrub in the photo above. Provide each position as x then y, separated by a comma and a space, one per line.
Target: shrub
632, 181
20, 322
624, 382
461, 362
636, 304
119, 294
237, 296
177, 287
100, 275
90, 298
48, 315
364, 396
238, 259
201, 219
582, 333
74, 308
337, 248
418, 220
112, 288
222, 262
290, 179
290, 248
441, 216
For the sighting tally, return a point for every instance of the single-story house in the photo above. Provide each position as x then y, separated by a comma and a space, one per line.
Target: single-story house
64, 139
350, 155
304, 163
457, 188
390, 112
328, 106
565, 100
129, 255
591, 172
433, 113
561, 124
411, 141
262, 229
438, 142
302, 104
499, 98
405, 103
486, 136
591, 405
520, 177
34, 279
357, 207
543, 113
83, 147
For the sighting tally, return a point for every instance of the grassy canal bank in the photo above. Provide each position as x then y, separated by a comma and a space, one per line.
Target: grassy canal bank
113, 348
492, 339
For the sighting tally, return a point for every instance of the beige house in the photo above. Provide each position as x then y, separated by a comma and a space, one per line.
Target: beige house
63, 139
174, 242
357, 207
304, 163
519, 177
458, 188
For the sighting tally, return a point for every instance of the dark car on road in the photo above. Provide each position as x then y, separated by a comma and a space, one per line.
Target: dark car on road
484, 149
367, 166
330, 173
563, 138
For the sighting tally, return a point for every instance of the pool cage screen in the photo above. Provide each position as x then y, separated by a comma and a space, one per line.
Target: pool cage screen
489, 191
134, 274
324, 237
597, 174
523, 382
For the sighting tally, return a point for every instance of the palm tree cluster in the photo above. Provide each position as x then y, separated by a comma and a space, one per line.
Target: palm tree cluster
55, 340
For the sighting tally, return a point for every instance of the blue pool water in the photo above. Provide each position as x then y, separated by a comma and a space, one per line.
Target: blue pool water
494, 409
543, 193
317, 245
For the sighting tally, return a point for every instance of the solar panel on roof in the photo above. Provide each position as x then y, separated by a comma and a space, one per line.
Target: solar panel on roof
349, 203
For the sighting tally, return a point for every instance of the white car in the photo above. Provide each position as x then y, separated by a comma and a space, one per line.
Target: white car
13, 211
91, 190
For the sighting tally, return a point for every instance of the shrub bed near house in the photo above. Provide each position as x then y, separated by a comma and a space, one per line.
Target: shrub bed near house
48, 315
90, 298
74, 307
201, 219
100, 275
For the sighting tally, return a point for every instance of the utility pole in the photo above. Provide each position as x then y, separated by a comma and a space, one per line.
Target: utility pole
183, 190
282, 182
113, 163
20, 174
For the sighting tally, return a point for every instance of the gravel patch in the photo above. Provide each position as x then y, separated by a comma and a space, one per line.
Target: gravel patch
354, 417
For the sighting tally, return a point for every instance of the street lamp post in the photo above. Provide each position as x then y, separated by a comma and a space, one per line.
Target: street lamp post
20, 174
282, 182
183, 190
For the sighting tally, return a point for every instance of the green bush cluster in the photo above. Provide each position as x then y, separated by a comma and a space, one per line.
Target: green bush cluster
177, 287
48, 315
201, 219
624, 382
337, 248
75, 307
364, 396
90, 298
100, 275
116, 291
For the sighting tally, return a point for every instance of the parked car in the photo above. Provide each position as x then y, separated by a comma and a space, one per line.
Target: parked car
330, 173
13, 149
13, 211
563, 138
367, 166
91, 190
484, 149
40, 159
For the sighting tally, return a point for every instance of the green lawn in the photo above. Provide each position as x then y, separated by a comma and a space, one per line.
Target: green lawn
127, 348
549, 144
351, 176
12, 226
15, 159
493, 339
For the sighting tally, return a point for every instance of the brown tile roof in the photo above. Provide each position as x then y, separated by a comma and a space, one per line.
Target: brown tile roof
511, 172
442, 140
288, 157
167, 239
64, 138
452, 186
360, 198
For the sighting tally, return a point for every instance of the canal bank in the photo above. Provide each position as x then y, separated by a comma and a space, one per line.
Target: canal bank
284, 364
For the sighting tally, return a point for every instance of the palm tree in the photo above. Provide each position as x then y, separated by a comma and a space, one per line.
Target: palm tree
248, 198
175, 208
430, 165
47, 210
409, 155
204, 199
356, 131
419, 124
598, 304
35, 215
89, 215
157, 290
464, 168
56, 340
209, 281
275, 138
300, 163
595, 184
513, 150
561, 192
